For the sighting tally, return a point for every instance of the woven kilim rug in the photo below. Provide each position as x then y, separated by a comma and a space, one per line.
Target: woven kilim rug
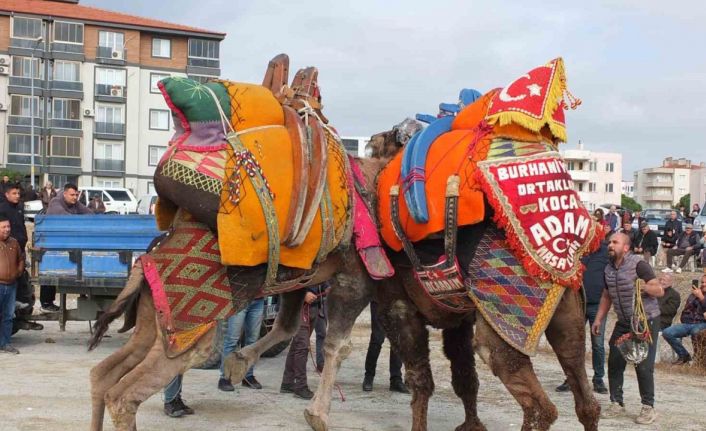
517, 305
189, 285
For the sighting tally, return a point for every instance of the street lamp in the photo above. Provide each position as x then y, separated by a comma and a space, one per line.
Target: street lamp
31, 111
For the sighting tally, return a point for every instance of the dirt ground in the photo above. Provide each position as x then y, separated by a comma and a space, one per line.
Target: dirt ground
46, 387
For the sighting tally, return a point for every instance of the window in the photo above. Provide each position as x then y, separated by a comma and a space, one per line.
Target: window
155, 155
119, 195
109, 114
26, 28
570, 166
106, 76
154, 79
579, 187
202, 48
65, 146
109, 183
68, 32
22, 67
593, 166
66, 109
161, 48
591, 187
112, 40
580, 166
20, 106
609, 167
159, 119
202, 79
109, 150
609, 187
151, 190
66, 71
20, 150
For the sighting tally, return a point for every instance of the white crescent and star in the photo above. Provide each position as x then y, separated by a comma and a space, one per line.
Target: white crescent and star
534, 90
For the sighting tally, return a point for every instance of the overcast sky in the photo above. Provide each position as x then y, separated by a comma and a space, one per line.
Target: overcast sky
639, 66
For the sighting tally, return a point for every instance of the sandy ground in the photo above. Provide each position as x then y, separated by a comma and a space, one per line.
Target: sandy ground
46, 387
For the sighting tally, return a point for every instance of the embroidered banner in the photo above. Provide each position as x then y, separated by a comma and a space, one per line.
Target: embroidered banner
547, 227
535, 99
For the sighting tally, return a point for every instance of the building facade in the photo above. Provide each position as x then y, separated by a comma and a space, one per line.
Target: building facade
81, 83
355, 145
628, 188
597, 176
664, 186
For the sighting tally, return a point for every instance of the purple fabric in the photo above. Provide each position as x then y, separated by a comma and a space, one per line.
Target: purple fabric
204, 134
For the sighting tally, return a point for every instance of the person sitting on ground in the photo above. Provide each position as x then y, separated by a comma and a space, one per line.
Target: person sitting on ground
674, 223
693, 321
12, 265
645, 242
686, 245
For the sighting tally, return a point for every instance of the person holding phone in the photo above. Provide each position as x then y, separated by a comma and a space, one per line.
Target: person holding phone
693, 320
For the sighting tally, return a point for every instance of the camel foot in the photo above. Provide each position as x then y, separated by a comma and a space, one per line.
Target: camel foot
236, 365
475, 425
316, 422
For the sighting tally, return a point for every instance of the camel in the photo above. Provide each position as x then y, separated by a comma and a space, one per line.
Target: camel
405, 313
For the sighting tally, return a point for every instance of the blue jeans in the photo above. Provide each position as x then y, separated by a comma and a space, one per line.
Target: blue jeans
597, 344
7, 311
247, 322
675, 333
173, 389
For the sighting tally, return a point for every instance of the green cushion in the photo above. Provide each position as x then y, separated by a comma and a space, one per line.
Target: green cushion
194, 100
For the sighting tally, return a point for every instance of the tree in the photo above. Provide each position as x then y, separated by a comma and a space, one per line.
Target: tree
685, 202
629, 203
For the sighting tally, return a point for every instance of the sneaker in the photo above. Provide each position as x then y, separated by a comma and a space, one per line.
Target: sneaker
9, 348
613, 411
173, 409
180, 404
599, 387
286, 388
368, 383
679, 270
50, 308
564, 387
667, 270
397, 385
304, 393
225, 385
647, 415
682, 360
251, 382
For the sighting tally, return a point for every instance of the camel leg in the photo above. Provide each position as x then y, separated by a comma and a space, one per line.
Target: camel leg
348, 298
567, 335
286, 325
110, 370
149, 377
409, 337
515, 371
464, 378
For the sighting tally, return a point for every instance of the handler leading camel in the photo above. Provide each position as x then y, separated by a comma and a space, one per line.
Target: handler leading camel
621, 276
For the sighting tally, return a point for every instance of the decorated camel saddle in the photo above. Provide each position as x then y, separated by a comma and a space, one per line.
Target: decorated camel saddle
261, 166
493, 160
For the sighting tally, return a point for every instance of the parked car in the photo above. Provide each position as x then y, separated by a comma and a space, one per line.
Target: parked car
146, 204
32, 208
117, 200
656, 218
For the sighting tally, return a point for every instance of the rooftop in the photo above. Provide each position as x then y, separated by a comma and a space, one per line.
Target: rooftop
63, 9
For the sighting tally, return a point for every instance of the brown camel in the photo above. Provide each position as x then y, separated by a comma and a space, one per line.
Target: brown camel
405, 312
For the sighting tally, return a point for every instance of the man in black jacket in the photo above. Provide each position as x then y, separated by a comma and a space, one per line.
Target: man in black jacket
686, 245
594, 284
674, 223
13, 210
645, 242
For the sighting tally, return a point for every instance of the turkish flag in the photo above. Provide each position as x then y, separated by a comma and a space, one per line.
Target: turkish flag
527, 94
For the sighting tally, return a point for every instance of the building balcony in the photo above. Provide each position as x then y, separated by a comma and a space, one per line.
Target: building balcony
203, 62
659, 183
580, 176
68, 162
103, 130
111, 93
66, 86
62, 123
110, 165
23, 159
15, 120
26, 46
67, 51
108, 55
203, 66
23, 85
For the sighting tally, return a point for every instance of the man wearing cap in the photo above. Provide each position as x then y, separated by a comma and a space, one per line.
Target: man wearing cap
645, 242
686, 245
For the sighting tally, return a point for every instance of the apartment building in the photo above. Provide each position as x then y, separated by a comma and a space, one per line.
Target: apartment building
597, 176
355, 145
663, 186
629, 188
81, 83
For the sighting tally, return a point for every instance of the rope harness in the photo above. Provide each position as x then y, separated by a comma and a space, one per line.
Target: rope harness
635, 345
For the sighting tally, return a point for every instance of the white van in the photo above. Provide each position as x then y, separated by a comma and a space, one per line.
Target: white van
117, 200
146, 204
